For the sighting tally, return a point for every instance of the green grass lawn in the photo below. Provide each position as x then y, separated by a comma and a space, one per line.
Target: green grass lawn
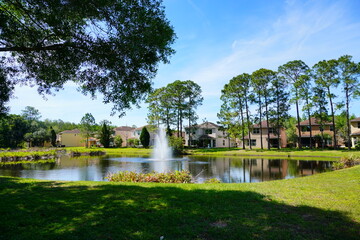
295, 153
322, 206
291, 153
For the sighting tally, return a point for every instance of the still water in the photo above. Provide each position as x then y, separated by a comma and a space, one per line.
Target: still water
226, 169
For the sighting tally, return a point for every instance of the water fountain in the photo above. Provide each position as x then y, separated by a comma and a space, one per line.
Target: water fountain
161, 151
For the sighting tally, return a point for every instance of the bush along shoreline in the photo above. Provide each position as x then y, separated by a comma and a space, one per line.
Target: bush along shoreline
35, 155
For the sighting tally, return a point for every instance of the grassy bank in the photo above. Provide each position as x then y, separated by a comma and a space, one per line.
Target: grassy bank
323, 206
292, 153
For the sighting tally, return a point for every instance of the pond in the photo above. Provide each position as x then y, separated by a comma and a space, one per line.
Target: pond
226, 169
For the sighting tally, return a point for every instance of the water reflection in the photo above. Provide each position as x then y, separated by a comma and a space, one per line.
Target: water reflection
227, 169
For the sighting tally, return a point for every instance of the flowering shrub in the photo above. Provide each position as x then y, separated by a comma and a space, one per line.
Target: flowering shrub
170, 177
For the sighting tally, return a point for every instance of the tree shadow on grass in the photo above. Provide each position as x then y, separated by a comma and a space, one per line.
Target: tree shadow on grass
53, 210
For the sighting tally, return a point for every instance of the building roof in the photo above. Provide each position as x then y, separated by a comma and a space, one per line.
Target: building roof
71, 131
355, 120
314, 122
206, 125
262, 124
124, 128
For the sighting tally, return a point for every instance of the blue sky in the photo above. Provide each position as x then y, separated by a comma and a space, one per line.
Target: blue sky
218, 40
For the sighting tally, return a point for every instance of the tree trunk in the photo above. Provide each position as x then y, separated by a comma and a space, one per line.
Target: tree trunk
309, 117
278, 122
333, 118
189, 130
261, 138
348, 117
267, 123
298, 119
248, 119
242, 124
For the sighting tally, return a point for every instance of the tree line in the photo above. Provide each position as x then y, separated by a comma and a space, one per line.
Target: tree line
311, 90
27, 129
171, 105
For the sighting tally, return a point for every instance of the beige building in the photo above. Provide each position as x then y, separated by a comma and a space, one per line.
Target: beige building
73, 138
126, 133
207, 134
255, 136
316, 131
355, 131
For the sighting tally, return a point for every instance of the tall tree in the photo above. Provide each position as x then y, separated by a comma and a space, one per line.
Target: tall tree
87, 127
305, 93
160, 108
292, 71
349, 73
53, 137
261, 80
105, 133
279, 113
112, 47
235, 97
326, 76
145, 137
194, 99
31, 113
321, 112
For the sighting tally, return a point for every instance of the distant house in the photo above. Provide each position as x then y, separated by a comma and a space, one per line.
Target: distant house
255, 136
126, 133
73, 138
207, 134
152, 133
355, 131
316, 130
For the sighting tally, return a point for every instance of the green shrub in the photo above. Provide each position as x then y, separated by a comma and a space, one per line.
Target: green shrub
177, 145
170, 177
212, 180
346, 162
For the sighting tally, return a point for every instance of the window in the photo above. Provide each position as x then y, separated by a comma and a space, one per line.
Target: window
358, 124
208, 131
306, 129
256, 130
253, 142
223, 142
271, 130
331, 128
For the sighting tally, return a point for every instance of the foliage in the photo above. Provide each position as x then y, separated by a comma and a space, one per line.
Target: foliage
31, 113
53, 137
132, 142
346, 162
172, 104
12, 130
176, 143
105, 134
170, 177
118, 141
292, 71
325, 74
236, 98
349, 73
87, 126
212, 180
145, 137
112, 47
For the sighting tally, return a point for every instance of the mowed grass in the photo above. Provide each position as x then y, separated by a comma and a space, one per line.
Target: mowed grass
286, 152
322, 206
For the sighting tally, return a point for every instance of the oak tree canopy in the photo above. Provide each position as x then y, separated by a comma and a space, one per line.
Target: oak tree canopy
111, 47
